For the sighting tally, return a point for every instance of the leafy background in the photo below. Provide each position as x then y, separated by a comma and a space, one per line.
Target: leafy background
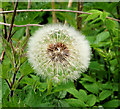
97, 87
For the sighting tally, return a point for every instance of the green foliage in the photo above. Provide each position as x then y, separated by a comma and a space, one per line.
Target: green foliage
98, 86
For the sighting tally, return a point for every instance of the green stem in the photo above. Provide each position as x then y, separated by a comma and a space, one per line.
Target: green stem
49, 86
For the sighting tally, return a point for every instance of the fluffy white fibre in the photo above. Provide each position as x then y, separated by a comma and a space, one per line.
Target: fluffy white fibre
77, 61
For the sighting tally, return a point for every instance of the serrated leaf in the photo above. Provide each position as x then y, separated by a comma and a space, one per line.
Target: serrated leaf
76, 103
104, 94
62, 94
7, 47
63, 86
82, 15
88, 78
82, 95
91, 100
110, 24
92, 16
102, 36
94, 11
103, 16
6, 67
112, 103
26, 69
73, 91
18, 35
91, 87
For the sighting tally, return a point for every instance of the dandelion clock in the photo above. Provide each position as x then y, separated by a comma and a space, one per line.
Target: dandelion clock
58, 52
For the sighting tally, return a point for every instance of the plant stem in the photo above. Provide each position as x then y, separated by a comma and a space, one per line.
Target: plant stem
8, 83
13, 18
4, 19
56, 10
79, 19
49, 86
111, 36
53, 7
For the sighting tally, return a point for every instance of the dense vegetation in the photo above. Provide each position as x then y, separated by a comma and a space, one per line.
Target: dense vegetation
98, 86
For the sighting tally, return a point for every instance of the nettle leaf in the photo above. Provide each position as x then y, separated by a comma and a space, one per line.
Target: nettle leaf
91, 100
106, 86
82, 95
35, 100
63, 86
73, 91
83, 15
75, 102
26, 69
102, 36
6, 67
7, 47
110, 24
104, 94
63, 103
103, 15
112, 103
94, 11
92, 16
87, 78
62, 94
18, 35
95, 66
91, 87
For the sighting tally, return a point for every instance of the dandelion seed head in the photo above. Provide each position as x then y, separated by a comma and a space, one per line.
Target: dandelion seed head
58, 52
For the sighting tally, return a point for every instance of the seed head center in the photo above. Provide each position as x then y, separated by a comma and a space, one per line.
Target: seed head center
58, 52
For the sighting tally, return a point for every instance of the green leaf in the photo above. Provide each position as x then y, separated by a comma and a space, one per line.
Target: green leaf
82, 95
73, 91
91, 100
35, 100
87, 78
7, 47
92, 16
94, 11
91, 87
95, 66
104, 94
75, 102
112, 103
103, 16
26, 69
6, 67
102, 36
110, 24
63, 103
19, 34
62, 94
63, 86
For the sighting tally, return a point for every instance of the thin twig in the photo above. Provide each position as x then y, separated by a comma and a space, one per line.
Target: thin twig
41, 10
8, 83
2, 56
27, 28
11, 26
20, 78
53, 14
69, 5
56, 10
8, 38
79, 19
1, 23
13, 18
4, 19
